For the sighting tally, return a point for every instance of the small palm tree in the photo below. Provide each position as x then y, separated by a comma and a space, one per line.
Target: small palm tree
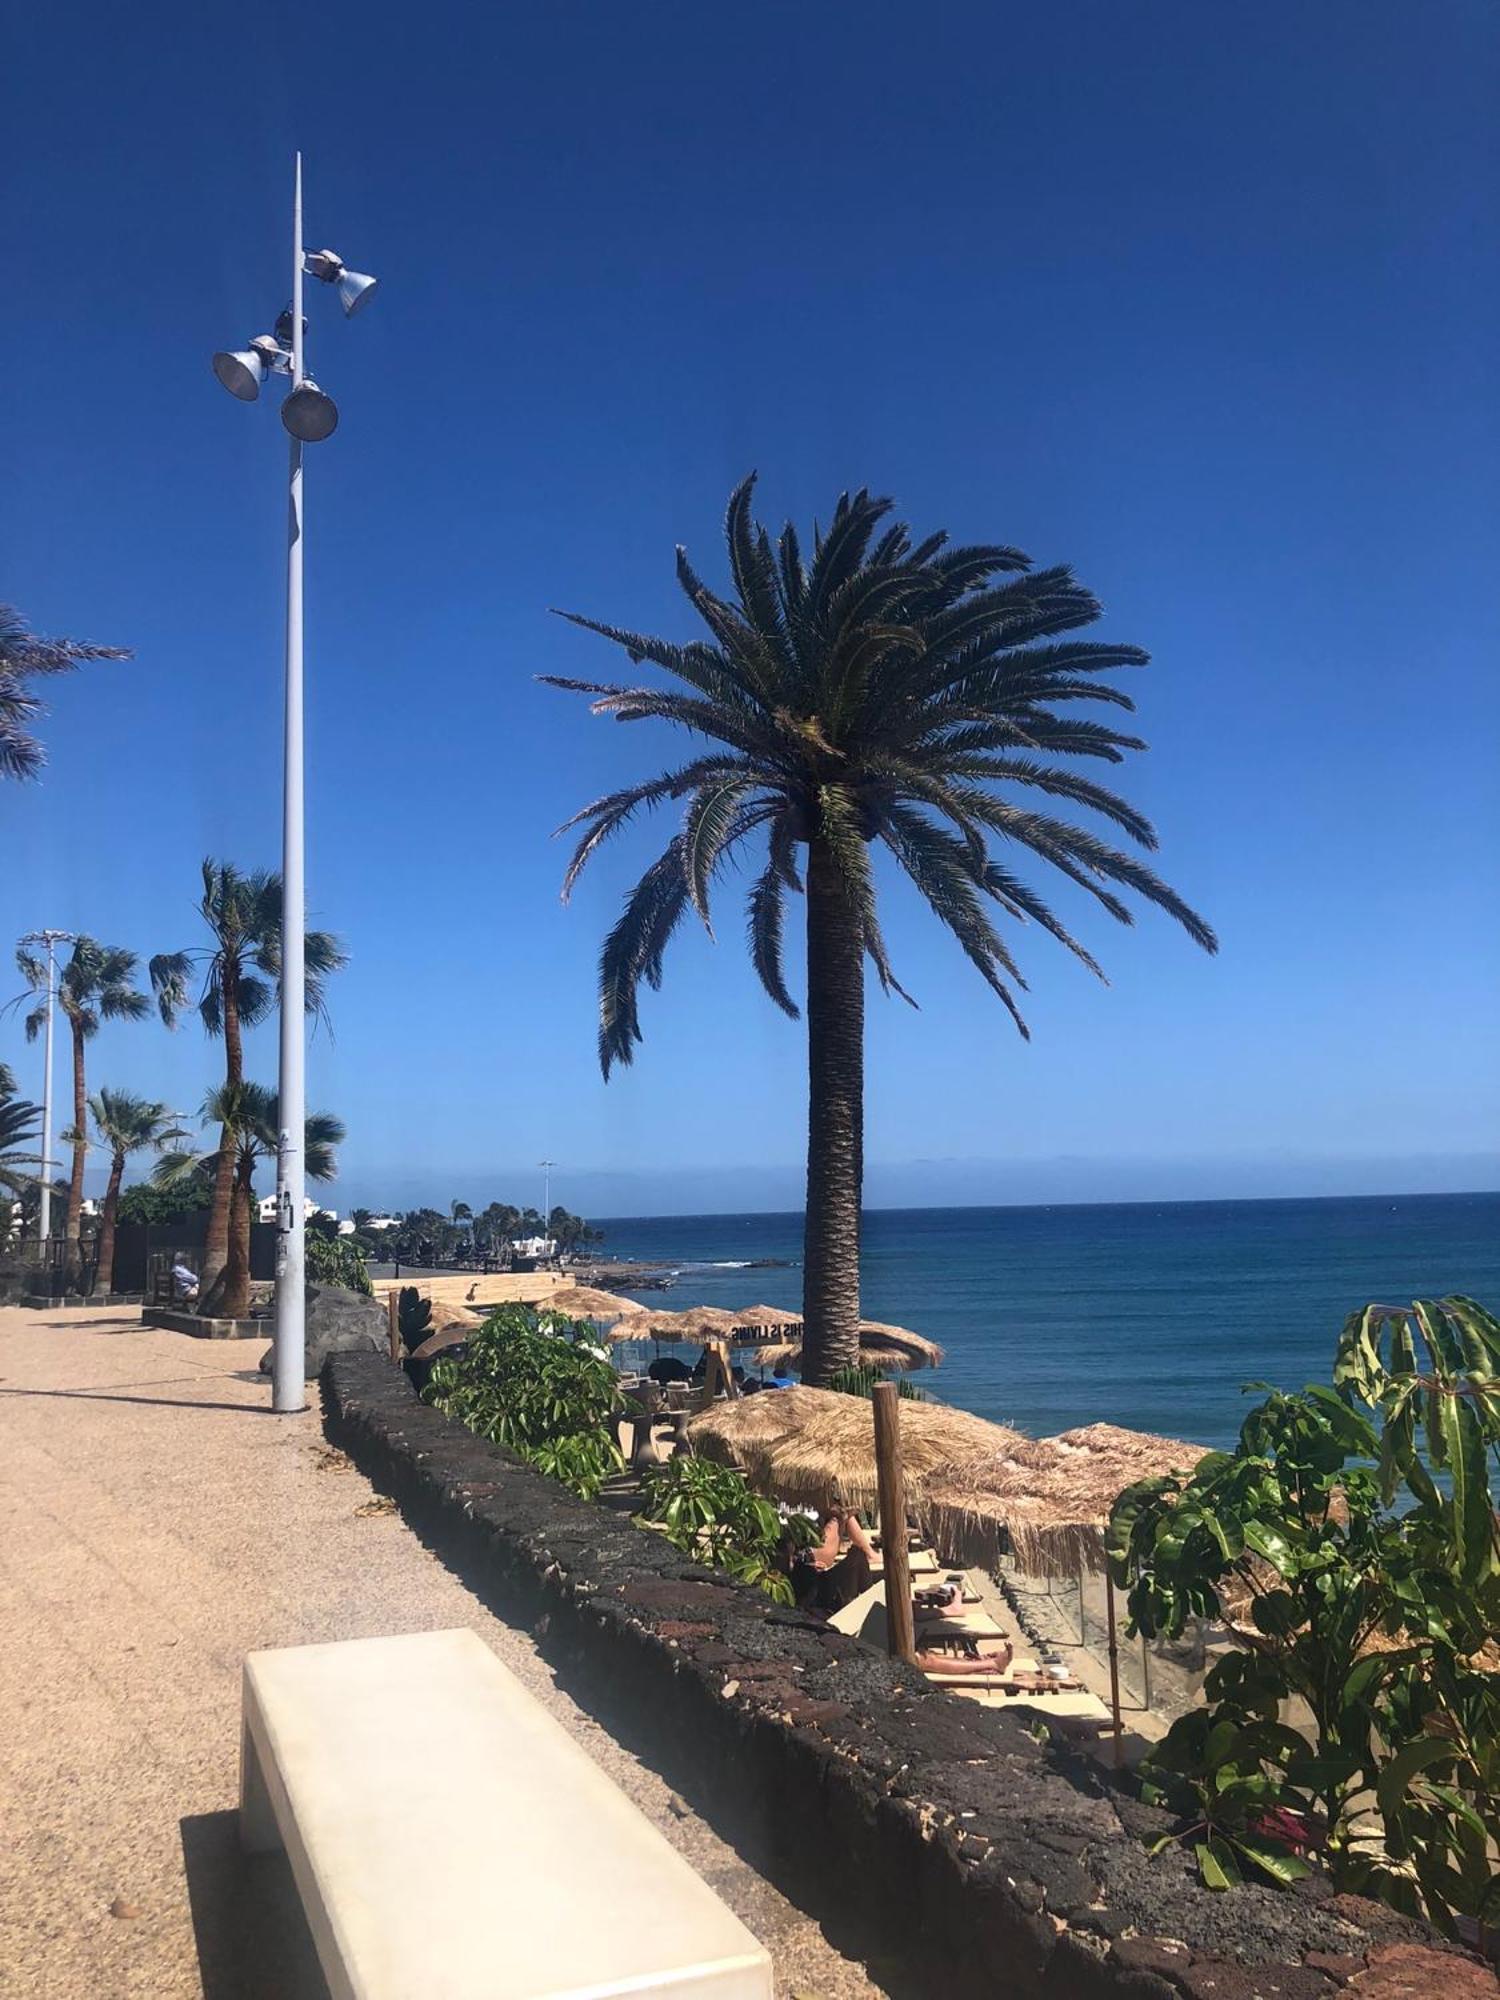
20, 1125
236, 975
124, 1125
25, 658
96, 984
250, 1114
884, 690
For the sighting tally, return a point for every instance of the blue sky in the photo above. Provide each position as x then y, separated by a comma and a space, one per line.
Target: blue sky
1199, 299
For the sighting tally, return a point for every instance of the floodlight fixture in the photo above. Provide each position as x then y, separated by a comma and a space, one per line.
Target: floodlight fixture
243, 370
309, 414
356, 288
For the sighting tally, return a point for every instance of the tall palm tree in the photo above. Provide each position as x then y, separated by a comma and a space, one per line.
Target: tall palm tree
96, 984
25, 658
236, 975
125, 1125
249, 1113
886, 690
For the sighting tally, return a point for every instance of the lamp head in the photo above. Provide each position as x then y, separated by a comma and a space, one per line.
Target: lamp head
241, 373
309, 414
355, 287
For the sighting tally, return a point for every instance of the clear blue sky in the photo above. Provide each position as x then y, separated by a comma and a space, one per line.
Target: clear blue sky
1200, 299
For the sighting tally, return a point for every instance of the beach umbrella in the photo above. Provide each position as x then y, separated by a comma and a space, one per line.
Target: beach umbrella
880, 1346
587, 1302
817, 1447
689, 1323
765, 1320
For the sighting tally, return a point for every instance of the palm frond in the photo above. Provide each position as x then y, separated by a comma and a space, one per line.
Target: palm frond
765, 926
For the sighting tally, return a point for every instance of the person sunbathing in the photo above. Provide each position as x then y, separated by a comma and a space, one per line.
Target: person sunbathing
949, 1666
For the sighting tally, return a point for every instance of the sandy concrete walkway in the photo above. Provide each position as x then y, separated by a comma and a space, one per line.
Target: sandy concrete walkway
159, 1523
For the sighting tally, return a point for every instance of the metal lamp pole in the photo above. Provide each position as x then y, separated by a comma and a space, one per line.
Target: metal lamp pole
49, 940
287, 1367
309, 416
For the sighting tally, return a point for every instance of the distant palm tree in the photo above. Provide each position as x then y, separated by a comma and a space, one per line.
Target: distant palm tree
125, 1125
880, 691
20, 1125
24, 658
249, 1113
237, 977
96, 984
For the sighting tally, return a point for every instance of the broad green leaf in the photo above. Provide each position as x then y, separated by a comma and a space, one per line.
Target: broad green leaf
1412, 1758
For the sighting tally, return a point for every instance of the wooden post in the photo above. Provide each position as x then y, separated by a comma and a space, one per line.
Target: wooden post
891, 1483
393, 1314
1114, 1666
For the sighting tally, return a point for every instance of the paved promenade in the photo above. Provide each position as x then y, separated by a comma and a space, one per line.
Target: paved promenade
159, 1523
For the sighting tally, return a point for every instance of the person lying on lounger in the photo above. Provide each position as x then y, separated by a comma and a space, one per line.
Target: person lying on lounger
948, 1666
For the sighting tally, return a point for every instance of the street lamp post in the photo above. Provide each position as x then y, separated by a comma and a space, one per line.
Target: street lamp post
546, 1167
49, 941
309, 416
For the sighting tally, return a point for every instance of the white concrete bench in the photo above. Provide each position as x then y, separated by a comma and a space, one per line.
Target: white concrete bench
451, 1841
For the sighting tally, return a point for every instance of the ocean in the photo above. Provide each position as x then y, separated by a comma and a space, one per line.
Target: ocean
1152, 1315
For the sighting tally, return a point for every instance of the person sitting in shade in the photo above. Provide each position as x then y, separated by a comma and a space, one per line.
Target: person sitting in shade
184, 1283
826, 1577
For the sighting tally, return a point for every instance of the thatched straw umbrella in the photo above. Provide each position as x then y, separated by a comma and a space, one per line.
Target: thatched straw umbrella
586, 1302
1050, 1498
817, 1447
761, 1322
690, 1323
880, 1346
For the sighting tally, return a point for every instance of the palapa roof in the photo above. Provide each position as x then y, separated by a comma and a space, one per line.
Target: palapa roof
687, 1323
977, 1489
817, 1447
586, 1302
1049, 1500
767, 1319
880, 1346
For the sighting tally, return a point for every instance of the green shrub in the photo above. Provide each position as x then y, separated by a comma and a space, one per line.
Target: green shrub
710, 1513
413, 1317
1358, 1524
550, 1397
337, 1260
863, 1381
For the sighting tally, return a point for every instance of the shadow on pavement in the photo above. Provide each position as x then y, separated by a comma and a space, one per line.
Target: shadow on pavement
253, 1941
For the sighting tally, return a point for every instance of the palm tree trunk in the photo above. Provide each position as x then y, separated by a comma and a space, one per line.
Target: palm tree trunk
104, 1270
216, 1235
835, 1120
73, 1227
233, 1300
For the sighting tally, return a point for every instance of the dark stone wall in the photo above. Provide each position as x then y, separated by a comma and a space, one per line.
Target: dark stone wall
940, 1840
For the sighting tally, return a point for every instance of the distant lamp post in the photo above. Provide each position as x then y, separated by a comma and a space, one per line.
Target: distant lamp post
546, 1167
49, 941
309, 415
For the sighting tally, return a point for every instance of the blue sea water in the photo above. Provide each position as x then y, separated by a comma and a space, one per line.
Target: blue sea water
1152, 1315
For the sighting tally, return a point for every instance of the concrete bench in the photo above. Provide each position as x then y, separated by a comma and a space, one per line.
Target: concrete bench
450, 1840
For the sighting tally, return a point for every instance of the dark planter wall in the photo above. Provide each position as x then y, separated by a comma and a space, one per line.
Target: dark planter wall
943, 1839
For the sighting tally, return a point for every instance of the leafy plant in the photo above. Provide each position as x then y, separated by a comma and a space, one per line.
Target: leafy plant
337, 1260
710, 1513
413, 1317
865, 1381
1351, 1539
545, 1395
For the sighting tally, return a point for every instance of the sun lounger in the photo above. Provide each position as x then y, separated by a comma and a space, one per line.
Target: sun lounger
524, 1830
